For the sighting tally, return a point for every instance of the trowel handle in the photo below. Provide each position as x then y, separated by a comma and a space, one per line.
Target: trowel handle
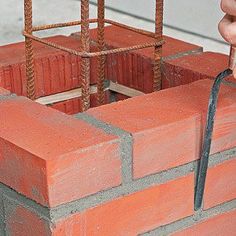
232, 57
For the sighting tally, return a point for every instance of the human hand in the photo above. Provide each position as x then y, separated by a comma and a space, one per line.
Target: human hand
227, 26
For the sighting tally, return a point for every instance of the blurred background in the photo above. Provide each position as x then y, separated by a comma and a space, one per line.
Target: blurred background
192, 21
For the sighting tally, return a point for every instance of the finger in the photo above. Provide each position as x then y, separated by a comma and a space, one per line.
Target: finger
229, 7
234, 72
227, 29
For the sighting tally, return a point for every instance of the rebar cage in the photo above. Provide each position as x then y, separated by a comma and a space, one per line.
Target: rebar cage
85, 53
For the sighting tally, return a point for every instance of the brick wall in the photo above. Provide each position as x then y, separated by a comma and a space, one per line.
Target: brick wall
126, 168
57, 71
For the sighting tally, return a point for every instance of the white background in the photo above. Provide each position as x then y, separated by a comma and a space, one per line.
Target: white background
193, 21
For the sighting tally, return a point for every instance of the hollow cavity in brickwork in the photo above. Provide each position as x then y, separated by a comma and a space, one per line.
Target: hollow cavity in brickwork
95, 85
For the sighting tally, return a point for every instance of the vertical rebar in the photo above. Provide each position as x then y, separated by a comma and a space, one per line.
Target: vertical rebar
101, 47
158, 50
30, 86
85, 62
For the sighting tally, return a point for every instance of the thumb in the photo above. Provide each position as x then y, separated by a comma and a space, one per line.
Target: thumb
234, 72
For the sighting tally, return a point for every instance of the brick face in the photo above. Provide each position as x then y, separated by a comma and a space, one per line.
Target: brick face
129, 215
135, 213
153, 145
220, 184
224, 224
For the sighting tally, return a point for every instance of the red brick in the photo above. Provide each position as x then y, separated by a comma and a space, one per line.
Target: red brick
191, 68
53, 158
21, 222
55, 70
224, 135
224, 224
167, 126
220, 184
72, 225
135, 213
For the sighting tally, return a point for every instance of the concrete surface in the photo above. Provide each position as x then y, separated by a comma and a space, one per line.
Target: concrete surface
192, 21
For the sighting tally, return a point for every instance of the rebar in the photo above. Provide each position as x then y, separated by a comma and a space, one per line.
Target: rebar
30, 81
102, 58
86, 54
85, 62
158, 50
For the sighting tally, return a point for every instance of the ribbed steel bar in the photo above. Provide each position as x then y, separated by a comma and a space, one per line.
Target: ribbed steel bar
91, 21
30, 84
101, 47
136, 30
158, 50
61, 25
85, 53
95, 54
85, 62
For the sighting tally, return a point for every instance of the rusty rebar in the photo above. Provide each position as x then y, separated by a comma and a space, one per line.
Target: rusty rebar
131, 28
85, 62
61, 25
158, 50
85, 53
30, 84
101, 47
95, 54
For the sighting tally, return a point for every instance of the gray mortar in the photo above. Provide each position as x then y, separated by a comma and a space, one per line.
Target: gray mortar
137, 185
126, 145
229, 83
183, 54
221, 157
129, 188
2, 215
40, 210
9, 210
192, 220
7, 97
